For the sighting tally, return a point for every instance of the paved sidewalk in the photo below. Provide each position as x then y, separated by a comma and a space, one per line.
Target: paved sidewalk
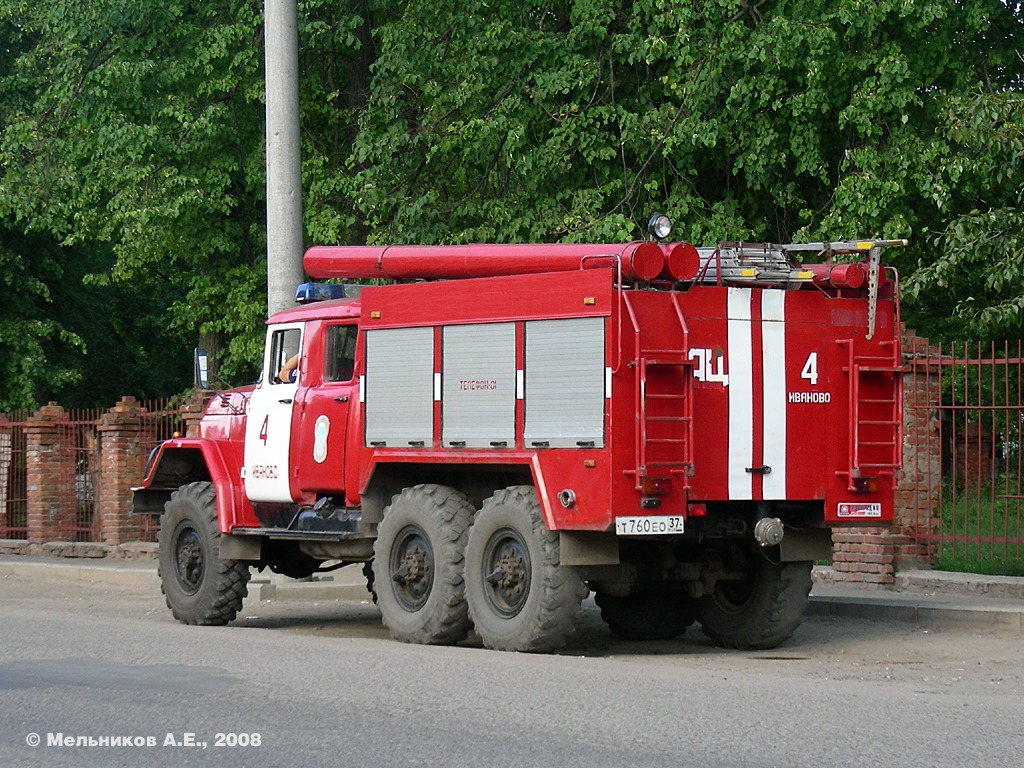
928, 598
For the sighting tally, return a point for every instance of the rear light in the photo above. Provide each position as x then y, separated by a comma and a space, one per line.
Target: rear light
865, 484
656, 486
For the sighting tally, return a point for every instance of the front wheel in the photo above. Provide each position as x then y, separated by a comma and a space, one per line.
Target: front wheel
761, 610
200, 587
417, 565
520, 598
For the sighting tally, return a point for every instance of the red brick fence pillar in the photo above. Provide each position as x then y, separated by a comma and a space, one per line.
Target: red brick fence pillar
51, 477
123, 460
191, 412
917, 497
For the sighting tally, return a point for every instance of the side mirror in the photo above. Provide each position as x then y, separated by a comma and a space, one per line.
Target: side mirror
201, 368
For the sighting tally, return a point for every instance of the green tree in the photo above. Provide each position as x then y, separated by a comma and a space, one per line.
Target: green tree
978, 262
131, 150
778, 120
34, 344
136, 126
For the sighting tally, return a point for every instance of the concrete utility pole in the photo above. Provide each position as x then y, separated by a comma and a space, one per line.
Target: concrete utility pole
284, 170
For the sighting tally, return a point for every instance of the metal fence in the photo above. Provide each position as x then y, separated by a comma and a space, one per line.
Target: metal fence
78, 435
972, 403
13, 477
161, 420
82, 471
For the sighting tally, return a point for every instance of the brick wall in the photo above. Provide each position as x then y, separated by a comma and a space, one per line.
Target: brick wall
972, 450
79, 474
51, 477
123, 459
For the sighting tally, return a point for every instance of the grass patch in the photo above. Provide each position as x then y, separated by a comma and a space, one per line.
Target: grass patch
982, 529
967, 564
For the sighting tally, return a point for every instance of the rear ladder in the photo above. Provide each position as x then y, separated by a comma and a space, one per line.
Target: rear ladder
671, 410
876, 419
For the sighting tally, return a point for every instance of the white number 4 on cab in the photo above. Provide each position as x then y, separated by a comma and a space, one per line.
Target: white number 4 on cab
810, 369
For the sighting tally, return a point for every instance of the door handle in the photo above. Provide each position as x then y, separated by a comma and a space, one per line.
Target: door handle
341, 399
286, 401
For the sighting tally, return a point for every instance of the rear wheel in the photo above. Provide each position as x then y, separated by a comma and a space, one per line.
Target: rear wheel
656, 613
418, 565
520, 598
761, 610
200, 587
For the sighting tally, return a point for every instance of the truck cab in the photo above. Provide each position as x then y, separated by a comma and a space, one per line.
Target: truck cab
297, 431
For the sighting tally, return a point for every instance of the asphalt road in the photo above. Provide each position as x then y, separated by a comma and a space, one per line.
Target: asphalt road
320, 684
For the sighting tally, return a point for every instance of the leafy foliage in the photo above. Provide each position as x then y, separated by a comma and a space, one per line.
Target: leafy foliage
137, 124
979, 264
29, 335
744, 120
131, 140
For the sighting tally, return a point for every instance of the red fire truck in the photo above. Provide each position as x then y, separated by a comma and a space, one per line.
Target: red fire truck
494, 430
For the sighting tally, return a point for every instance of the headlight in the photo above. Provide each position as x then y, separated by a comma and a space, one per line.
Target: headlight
659, 226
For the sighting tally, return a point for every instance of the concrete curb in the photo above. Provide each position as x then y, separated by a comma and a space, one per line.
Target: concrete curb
927, 598
922, 611
973, 584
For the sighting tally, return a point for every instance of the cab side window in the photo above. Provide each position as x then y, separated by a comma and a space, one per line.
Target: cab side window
284, 351
340, 359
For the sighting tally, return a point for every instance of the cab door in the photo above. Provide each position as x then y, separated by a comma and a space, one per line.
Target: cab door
268, 425
326, 405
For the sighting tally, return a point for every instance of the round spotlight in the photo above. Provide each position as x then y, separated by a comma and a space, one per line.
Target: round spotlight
659, 226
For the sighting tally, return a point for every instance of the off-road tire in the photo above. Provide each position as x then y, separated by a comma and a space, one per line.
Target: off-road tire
418, 565
654, 614
534, 603
761, 611
199, 586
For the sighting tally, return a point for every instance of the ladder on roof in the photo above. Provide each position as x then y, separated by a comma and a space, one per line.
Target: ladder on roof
664, 403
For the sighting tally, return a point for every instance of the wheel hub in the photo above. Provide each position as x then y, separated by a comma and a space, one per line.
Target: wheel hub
412, 568
189, 560
507, 572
